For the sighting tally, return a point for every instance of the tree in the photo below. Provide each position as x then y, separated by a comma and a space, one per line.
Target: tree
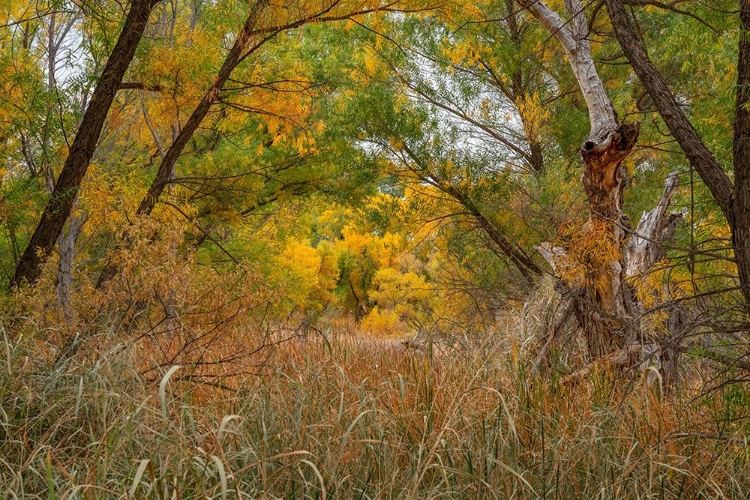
251, 38
602, 257
420, 103
63, 197
732, 198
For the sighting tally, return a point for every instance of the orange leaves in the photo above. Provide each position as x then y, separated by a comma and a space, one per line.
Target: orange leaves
591, 254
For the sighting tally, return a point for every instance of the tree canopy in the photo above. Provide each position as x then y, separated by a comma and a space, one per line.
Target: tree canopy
417, 166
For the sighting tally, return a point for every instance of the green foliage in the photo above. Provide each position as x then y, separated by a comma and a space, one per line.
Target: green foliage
369, 180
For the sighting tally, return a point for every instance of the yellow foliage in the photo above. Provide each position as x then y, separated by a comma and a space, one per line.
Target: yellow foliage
591, 252
298, 267
533, 114
383, 324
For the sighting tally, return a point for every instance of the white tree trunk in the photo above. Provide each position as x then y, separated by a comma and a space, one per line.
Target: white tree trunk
572, 37
606, 309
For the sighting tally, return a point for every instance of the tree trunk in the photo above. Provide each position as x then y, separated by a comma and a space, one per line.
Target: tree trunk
602, 304
210, 96
740, 221
734, 200
61, 201
196, 118
603, 255
595, 268
66, 246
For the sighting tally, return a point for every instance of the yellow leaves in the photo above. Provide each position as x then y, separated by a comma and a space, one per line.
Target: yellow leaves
14, 10
653, 290
370, 59
397, 144
101, 197
298, 267
383, 324
591, 253
305, 143
384, 250
401, 298
308, 275
533, 114
464, 52
400, 291
274, 124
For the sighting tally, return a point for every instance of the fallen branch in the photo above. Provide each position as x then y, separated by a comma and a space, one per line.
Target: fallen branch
621, 357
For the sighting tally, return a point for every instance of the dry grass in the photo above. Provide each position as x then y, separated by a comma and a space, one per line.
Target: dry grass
361, 419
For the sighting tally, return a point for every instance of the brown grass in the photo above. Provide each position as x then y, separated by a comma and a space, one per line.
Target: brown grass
359, 418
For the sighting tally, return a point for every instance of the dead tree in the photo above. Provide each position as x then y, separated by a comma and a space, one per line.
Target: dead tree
597, 271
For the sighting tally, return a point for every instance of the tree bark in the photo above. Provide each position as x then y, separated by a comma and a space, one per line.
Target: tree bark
603, 304
605, 255
740, 221
572, 37
645, 248
61, 201
67, 250
734, 200
604, 307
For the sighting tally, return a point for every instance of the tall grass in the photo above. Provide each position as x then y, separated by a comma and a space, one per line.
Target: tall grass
361, 419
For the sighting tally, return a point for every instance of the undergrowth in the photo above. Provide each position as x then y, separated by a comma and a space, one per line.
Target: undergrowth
362, 419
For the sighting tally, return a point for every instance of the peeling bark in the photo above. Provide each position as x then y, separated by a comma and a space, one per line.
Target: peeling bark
572, 37
605, 325
602, 308
596, 276
645, 247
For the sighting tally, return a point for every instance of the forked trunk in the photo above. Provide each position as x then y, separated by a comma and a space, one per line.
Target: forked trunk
604, 303
603, 255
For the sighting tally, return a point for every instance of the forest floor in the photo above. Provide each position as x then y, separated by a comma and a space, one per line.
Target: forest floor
361, 418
